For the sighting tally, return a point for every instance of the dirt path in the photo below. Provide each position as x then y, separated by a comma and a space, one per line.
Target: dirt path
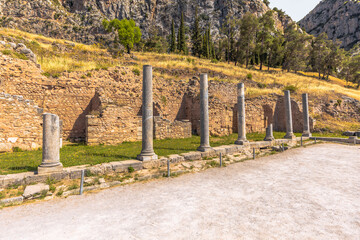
308, 193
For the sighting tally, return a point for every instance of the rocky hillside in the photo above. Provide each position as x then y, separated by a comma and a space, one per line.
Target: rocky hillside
80, 20
340, 19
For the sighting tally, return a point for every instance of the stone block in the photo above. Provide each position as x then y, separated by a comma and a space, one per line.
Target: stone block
231, 149
175, 158
123, 166
12, 201
219, 150
191, 156
210, 153
33, 190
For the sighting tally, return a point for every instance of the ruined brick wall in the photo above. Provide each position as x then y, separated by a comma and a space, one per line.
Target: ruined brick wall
20, 123
297, 116
114, 98
164, 128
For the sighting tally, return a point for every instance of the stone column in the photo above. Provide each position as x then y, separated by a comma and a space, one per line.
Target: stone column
61, 133
241, 115
269, 133
288, 116
51, 144
204, 114
305, 101
147, 152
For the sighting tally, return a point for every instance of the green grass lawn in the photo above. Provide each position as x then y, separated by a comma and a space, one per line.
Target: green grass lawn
79, 154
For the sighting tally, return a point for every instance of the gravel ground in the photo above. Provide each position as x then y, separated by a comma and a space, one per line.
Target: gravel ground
304, 193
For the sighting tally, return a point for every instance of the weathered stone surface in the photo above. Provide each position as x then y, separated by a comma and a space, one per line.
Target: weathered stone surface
11, 201
175, 158
339, 19
123, 166
241, 114
33, 190
147, 152
191, 155
51, 145
349, 133
204, 114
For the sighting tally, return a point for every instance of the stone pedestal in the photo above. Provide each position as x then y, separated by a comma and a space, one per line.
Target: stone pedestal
305, 101
241, 115
269, 133
147, 152
288, 116
51, 145
204, 114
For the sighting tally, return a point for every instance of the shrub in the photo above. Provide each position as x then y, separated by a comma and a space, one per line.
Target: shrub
2, 195
291, 88
89, 74
249, 76
73, 186
136, 71
131, 169
261, 85
60, 192
17, 149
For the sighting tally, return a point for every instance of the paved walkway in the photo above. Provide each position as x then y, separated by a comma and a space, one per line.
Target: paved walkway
307, 193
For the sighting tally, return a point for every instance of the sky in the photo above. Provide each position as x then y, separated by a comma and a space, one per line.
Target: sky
296, 9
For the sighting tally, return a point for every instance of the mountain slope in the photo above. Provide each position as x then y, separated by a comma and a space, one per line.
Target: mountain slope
339, 19
80, 20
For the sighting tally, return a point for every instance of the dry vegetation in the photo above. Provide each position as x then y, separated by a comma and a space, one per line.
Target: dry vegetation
56, 56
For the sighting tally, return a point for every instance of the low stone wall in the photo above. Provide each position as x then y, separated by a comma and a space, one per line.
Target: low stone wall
164, 128
351, 140
123, 166
20, 123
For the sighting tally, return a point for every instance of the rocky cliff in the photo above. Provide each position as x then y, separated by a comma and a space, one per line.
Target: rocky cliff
339, 19
80, 20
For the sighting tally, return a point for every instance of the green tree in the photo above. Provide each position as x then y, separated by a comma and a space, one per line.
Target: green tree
265, 36
196, 36
248, 31
127, 31
319, 54
181, 36
172, 38
296, 49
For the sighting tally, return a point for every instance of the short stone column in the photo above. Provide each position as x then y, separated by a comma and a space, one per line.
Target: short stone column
288, 117
269, 133
305, 101
241, 115
204, 114
51, 145
147, 152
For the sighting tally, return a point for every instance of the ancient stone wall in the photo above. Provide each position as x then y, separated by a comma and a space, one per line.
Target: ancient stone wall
297, 116
164, 128
113, 98
20, 123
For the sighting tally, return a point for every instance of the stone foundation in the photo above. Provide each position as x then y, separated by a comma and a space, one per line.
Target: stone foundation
20, 123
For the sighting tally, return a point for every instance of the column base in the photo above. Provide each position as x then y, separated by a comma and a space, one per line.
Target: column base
269, 139
307, 134
42, 169
147, 157
204, 149
290, 136
242, 142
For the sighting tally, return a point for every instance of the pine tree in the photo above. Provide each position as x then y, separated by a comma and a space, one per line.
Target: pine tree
173, 38
181, 36
205, 46
196, 37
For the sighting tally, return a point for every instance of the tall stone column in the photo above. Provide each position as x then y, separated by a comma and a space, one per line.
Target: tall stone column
147, 152
241, 115
51, 144
204, 114
288, 117
305, 101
